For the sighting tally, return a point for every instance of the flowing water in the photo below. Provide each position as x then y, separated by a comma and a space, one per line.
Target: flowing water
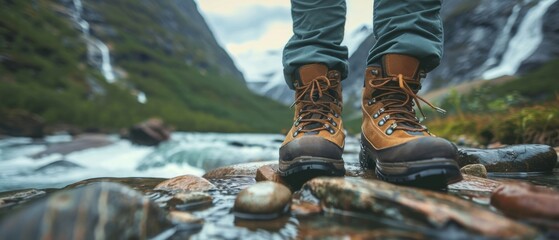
523, 44
26, 163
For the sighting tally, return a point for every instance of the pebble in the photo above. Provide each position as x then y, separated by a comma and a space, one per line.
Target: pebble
263, 200
477, 170
184, 217
185, 183
191, 200
270, 173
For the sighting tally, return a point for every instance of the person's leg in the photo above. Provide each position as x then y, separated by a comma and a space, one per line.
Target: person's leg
409, 27
314, 65
409, 44
318, 31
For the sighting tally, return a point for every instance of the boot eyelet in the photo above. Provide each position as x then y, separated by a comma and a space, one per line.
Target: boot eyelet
389, 131
375, 116
295, 133
336, 115
381, 123
374, 72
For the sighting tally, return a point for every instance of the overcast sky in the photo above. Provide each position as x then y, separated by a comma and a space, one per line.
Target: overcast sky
255, 31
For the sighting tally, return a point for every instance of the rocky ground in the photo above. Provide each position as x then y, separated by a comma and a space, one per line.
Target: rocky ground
250, 201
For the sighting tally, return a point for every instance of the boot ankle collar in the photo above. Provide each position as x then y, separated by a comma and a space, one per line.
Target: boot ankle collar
394, 64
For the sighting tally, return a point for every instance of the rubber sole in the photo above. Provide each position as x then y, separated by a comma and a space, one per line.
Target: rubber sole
434, 173
301, 169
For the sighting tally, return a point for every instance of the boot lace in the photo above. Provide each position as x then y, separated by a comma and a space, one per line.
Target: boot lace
398, 100
315, 99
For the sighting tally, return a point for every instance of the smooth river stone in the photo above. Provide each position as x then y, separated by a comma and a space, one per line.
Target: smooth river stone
526, 201
263, 200
414, 207
185, 183
94, 211
515, 158
477, 170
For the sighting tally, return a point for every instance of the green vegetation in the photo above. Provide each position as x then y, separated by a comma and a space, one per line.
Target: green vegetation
43, 69
522, 110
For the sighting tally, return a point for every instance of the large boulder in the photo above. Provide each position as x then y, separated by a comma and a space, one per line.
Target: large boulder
95, 211
150, 132
514, 158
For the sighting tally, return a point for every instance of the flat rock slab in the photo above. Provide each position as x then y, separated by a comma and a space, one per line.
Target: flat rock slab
98, 210
237, 170
476, 184
414, 207
187, 183
515, 158
268, 171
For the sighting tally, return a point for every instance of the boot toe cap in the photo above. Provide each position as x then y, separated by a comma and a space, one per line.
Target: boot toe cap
310, 146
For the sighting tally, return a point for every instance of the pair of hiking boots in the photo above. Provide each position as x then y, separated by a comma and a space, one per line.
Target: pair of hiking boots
393, 141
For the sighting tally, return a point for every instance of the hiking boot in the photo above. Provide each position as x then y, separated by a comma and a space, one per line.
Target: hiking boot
314, 145
392, 140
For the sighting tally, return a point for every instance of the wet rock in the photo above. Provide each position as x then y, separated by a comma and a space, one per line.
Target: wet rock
9, 199
263, 200
191, 200
79, 143
98, 210
149, 133
186, 183
474, 188
516, 158
477, 170
269, 173
237, 170
21, 123
184, 217
57, 167
526, 201
302, 208
336, 232
251, 169
473, 183
413, 207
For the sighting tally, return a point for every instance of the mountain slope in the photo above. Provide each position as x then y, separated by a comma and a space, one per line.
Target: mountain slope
162, 49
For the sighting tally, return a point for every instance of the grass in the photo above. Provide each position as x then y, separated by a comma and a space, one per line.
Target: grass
44, 70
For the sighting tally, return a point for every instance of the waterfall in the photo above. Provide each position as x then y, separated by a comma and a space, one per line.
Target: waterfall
501, 43
523, 44
93, 44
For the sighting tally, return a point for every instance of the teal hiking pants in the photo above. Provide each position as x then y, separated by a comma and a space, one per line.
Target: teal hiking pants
410, 27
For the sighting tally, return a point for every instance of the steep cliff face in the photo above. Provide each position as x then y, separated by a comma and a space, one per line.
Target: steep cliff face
485, 39
111, 63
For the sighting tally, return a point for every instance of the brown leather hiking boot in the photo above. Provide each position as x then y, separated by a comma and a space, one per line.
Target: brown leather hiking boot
393, 140
314, 145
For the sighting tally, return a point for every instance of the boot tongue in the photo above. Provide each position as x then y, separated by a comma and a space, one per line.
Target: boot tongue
307, 73
394, 64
